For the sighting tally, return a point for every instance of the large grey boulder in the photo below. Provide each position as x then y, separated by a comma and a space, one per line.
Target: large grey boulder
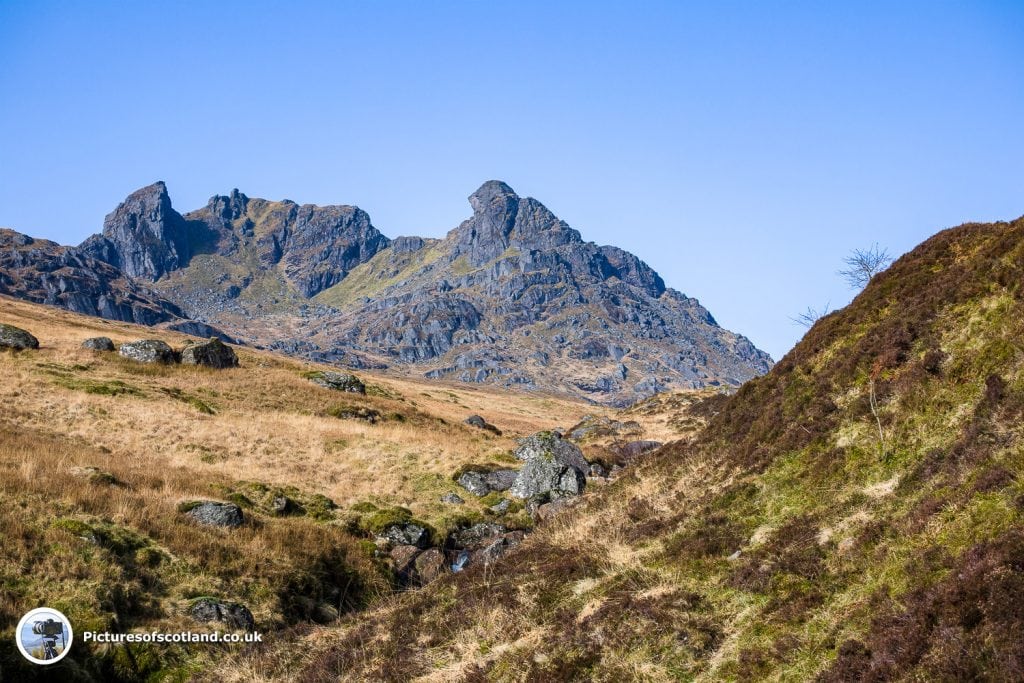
12, 337
230, 613
212, 513
212, 353
552, 466
148, 351
98, 344
338, 381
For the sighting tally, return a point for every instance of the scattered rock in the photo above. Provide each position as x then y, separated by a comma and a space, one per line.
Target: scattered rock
95, 476
338, 381
495, 548
98, 344
476, 535
481, 423
230, 613
281, 505
404, 559
147, 351
212, 353
474, 482
501, 480
430, 565
12, 337
595, 426
452, 499
212, 513
552, 466
547, 511
634, 449
407, 533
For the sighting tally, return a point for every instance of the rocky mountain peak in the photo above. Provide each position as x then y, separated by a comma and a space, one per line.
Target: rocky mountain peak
144, 236
502, 220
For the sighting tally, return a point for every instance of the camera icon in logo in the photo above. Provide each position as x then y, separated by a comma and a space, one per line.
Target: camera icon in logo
44, 636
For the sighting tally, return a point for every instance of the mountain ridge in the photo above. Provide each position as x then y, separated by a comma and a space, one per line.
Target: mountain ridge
511, 296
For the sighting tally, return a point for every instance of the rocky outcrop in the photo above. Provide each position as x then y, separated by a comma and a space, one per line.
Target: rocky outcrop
552, 467
148, 351
98, 344
231, 614
212, 354
12, 337
45, 272
338, 381
144, 236
213, 513
513, 296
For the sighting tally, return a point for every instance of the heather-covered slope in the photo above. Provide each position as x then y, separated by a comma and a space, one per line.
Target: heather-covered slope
855, 514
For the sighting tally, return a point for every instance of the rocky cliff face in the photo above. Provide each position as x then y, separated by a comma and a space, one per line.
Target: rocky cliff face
45, 272
515, 296
512, 296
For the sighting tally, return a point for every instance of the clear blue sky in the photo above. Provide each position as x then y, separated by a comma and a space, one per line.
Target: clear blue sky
739, 148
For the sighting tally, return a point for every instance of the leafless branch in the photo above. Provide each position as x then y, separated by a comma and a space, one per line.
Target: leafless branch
864, 264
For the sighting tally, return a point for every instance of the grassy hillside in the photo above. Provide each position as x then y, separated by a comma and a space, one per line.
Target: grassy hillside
856, 514
99, 456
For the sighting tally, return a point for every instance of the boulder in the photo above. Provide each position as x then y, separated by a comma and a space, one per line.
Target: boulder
12, 337
476, 535
98, 344
430, 565
481, 423
474, 482
404, 559
595, 426
452, 499
495, 548
212, 353
281, 505
147, 351
552, 466
406, 533
500, 480
547, 511
232, 614
338, 381
213, 513
635, 449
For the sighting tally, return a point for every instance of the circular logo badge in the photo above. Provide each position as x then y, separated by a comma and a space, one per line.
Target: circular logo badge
44, 636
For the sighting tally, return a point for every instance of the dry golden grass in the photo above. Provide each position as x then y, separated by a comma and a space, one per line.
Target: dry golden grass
271, 424
170, 434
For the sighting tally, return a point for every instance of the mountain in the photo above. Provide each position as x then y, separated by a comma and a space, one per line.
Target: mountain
856, 514
513, 296
46, 272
